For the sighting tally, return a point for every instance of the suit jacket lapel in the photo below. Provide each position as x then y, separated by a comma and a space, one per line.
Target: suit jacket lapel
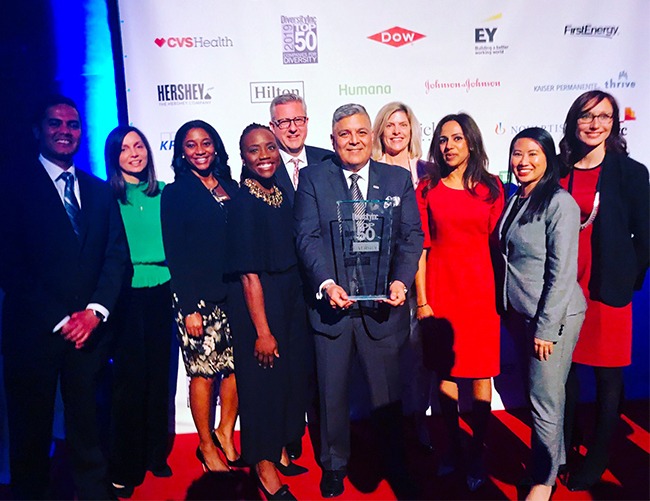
515, 221
376, 188
284, 182
86, 203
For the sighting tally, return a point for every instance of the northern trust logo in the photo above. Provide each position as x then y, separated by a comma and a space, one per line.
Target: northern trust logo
185, 93
591, 31
265, 92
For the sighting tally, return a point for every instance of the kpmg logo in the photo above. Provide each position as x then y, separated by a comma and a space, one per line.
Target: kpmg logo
265, 92
299, 39
182, 94
396, 36
166, 141
486, 40
466, 85
588, 30
623, 82
193, 42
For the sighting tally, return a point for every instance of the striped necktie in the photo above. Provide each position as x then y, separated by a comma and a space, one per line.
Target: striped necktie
358, 209
70, 202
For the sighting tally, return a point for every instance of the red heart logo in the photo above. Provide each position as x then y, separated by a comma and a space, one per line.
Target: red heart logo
160, 42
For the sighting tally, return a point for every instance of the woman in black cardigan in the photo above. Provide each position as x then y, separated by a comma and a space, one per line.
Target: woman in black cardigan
612, 192
194, 216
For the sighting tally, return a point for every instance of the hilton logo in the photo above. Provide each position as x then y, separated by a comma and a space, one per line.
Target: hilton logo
264, 92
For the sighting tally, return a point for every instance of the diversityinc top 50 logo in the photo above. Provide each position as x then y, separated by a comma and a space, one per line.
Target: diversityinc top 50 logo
299, 40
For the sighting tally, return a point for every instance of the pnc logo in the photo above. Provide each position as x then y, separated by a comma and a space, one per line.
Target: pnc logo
396, 36
628, 115
175, 42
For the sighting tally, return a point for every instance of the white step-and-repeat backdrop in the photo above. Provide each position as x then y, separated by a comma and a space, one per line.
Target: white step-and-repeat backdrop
509, 64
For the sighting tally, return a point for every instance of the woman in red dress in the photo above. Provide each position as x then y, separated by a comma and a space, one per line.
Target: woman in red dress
460, 203
612, 192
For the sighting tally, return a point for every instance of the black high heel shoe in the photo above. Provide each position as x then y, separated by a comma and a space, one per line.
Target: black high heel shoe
282, 493
237, 463
291, 470
206, 468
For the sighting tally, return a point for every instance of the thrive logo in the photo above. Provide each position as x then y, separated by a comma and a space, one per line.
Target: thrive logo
187, 93
265, 92
588, 30
193, 42
623, 82
396, 36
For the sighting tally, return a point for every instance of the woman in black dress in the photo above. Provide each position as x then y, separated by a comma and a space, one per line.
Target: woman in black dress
194, 213
268, 315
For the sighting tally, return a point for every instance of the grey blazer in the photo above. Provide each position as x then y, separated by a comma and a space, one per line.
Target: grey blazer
541, 265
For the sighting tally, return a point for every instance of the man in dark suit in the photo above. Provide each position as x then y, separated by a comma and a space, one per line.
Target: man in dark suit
63, 259
289, 123
343, 327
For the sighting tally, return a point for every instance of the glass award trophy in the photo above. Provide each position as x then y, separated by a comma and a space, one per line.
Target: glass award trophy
361, 240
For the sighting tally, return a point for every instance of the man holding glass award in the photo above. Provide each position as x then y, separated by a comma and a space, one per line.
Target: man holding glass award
359, 239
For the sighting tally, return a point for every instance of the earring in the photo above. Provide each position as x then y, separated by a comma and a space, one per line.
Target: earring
183, 157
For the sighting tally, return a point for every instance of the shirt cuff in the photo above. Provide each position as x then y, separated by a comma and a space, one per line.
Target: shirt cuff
61, 323
98, 307
319, 294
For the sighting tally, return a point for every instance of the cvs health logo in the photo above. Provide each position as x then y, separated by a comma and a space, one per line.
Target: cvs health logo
396, 36
174, 42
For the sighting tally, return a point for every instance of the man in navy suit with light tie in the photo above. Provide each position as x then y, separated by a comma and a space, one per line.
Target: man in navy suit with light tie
374, 331
289, 123
63, 259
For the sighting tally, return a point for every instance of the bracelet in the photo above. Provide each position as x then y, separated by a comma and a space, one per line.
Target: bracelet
423, 305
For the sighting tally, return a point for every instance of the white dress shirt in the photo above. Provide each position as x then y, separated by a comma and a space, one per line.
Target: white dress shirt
289, 165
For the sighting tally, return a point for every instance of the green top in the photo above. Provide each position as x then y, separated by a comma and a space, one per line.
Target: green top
141, 217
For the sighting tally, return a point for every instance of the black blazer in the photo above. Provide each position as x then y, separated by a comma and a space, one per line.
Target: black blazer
319, 188
45, 270
314, 155
620, 241
194, 237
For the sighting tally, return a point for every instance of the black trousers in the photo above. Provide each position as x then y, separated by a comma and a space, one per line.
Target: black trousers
31, 378
140, 402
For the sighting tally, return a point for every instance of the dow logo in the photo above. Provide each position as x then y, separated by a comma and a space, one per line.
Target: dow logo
396, 36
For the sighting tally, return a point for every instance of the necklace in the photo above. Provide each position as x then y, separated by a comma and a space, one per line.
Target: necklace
274, 198
596, 205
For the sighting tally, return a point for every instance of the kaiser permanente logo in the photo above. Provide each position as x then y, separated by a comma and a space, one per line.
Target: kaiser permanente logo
485, 38
591, 31
396, 36
622, 82
265, 92
299, 39
182, 94
467, 85
193, 42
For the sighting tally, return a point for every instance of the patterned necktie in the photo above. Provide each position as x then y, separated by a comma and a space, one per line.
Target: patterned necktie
296, 172
70, 202
358, 209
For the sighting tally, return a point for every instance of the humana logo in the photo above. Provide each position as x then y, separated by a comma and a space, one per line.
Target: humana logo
396, 36
587, 30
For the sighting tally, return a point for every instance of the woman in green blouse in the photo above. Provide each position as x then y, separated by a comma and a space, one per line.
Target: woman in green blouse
143, 333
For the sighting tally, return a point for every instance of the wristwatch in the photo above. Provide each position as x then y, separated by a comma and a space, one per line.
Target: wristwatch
98, 314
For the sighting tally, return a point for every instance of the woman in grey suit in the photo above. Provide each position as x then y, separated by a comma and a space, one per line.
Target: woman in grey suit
543, 302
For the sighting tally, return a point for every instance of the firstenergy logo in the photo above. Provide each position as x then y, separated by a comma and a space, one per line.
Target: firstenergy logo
396, 36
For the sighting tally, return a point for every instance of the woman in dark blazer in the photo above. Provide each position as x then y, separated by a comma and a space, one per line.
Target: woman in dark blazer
194, 215
612, 192
543, 302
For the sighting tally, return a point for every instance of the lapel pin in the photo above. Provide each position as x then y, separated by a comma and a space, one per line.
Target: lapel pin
375, 186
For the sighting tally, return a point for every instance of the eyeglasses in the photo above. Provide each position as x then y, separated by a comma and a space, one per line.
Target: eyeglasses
284, 123
587, 118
